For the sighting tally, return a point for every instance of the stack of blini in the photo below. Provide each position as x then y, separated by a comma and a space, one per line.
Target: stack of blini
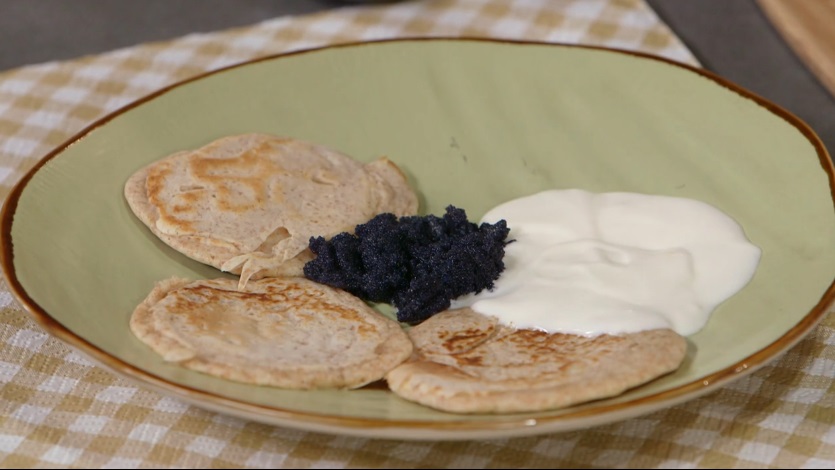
248, 205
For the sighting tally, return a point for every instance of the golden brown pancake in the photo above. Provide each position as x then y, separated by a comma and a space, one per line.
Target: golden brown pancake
283, 332
465, 362
248, 204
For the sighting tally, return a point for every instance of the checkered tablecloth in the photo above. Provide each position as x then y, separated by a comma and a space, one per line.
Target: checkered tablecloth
58, 409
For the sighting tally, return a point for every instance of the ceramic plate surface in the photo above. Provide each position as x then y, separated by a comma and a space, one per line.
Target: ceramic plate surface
473, 123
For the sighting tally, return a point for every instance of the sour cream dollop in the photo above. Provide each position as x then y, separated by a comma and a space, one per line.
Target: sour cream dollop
593, 263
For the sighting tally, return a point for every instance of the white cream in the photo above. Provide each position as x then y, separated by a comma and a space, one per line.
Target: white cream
588, 264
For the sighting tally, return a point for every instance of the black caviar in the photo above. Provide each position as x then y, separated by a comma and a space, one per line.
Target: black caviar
415, 263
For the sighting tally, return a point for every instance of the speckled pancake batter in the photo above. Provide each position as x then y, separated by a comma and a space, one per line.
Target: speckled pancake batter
248, 204
282, 332
466, 362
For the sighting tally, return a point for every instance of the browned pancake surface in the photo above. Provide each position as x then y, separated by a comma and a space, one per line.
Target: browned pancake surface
283, 332
469, 363
248, 204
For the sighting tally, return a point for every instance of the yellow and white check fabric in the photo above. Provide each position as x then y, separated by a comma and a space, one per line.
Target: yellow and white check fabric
58, 409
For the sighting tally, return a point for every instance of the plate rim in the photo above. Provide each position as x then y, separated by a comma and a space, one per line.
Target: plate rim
462, 427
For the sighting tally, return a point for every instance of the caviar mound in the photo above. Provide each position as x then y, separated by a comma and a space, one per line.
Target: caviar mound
418, 264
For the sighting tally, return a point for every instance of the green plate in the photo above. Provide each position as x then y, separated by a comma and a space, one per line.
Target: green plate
473, 123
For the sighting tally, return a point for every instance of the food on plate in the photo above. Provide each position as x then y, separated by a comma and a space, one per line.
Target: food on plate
590, 263
466, 362
416, 263
554, 299
597, 295
248, 204
283, 332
